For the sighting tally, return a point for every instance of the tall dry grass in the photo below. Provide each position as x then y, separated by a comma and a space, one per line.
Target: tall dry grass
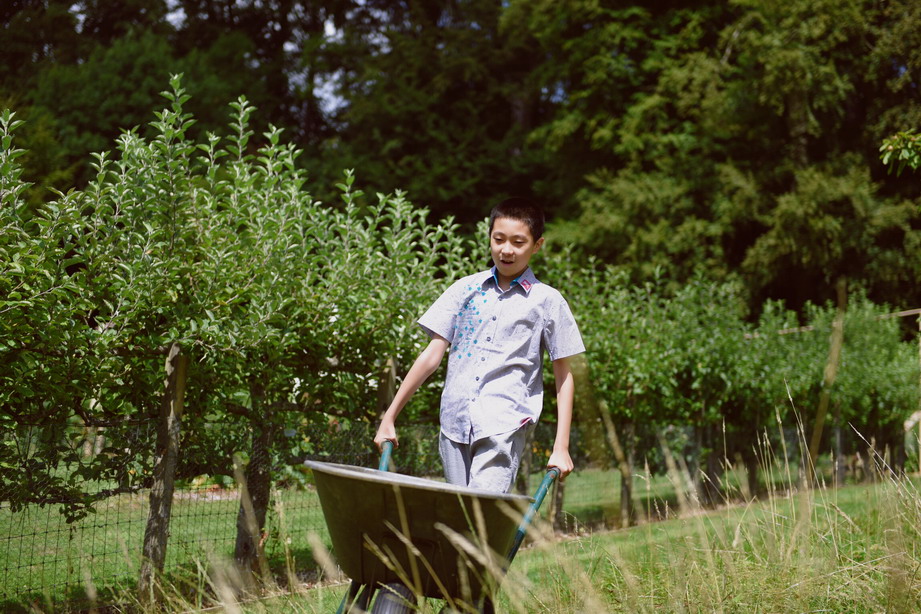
803, 547
799, 549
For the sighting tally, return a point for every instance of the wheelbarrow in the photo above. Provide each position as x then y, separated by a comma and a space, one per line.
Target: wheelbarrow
403, 536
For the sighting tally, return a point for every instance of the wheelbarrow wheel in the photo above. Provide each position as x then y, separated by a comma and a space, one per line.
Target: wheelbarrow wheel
394, 599
486, 607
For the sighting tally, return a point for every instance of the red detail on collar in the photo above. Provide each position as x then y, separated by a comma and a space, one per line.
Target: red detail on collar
525, 284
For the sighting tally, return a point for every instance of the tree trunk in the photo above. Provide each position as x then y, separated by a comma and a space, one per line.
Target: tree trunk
387, 385
255, 487
899, 455
867, 464
694, 462
624, 464
750, 458
627, 509
559, 519
711, 492
840, 466
831, 371
798, 125
161, 493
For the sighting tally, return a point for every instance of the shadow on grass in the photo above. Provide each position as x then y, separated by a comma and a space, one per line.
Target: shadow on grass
663, 506
185, 582
595, 517
72, 599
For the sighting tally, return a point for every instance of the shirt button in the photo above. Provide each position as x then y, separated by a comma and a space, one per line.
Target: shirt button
483, 359
494, 317
489, 338
477, 378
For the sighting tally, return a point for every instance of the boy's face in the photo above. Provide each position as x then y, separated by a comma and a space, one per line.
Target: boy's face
512, 246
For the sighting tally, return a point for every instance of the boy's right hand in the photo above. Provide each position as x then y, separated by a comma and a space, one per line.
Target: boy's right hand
385, 432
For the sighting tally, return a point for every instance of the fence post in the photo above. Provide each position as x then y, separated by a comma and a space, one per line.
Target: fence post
167, 457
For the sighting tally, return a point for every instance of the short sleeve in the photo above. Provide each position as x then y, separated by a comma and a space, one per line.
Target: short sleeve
439, 319
561, 333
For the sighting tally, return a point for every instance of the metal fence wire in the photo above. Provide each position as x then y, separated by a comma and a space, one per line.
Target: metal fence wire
46, 560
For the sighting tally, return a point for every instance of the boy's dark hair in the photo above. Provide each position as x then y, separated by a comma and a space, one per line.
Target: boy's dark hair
521, 209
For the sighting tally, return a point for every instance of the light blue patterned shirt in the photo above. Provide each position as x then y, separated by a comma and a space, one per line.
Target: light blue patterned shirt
495, 365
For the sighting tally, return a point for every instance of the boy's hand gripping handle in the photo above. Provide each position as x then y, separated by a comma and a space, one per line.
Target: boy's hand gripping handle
386, 451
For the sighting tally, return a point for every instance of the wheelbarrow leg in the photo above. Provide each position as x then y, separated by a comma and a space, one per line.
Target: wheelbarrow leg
358, 595
394, 598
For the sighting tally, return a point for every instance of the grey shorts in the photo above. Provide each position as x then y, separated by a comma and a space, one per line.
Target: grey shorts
490, 463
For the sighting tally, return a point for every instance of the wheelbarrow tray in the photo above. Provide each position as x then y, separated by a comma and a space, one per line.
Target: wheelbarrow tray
363, 507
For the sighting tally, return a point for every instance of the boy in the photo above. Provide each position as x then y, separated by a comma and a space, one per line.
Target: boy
496, 323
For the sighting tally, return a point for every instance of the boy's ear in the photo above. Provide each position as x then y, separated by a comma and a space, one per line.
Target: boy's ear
538, 244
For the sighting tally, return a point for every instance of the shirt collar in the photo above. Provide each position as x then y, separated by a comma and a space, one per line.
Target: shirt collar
526, 280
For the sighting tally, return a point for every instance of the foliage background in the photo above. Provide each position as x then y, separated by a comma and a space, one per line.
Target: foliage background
738, 141
712, 171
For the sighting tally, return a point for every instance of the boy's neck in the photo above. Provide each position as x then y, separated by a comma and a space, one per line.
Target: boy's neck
504, 281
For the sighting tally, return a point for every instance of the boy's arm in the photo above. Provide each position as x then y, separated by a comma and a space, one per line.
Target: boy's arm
565, 392
422, 368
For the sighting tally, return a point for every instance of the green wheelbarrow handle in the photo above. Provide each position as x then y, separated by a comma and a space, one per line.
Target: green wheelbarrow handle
386, 451
552, 474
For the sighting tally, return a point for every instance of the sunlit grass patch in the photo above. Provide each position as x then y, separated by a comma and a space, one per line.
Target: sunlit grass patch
791, 554
854, 549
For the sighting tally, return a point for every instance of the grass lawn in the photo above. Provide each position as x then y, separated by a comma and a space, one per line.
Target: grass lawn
855, 549
45, 561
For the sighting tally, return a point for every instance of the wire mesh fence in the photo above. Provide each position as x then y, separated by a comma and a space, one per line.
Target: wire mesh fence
45, 559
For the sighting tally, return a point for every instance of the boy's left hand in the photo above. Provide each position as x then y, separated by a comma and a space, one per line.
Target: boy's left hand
562, 461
